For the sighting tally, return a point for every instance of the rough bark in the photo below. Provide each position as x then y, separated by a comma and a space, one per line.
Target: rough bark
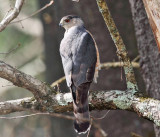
59, 102
39, 89
121, 48
153, 12
115, 99
148, 50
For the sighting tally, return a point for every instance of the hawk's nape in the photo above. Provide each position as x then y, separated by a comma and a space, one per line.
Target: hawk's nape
79, 59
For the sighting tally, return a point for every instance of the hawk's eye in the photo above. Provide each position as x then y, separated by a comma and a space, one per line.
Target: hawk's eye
67, 20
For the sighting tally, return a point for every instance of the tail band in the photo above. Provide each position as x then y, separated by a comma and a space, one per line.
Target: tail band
81, 128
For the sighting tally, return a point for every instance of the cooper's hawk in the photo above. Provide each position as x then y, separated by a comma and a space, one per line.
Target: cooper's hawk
79, 57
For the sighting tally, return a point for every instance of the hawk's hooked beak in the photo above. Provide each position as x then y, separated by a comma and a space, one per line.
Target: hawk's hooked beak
60, 24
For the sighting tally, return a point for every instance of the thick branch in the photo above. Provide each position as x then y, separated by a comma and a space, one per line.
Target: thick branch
15, 12
39, 89
48, 101
125, 100
121, 49
16, 105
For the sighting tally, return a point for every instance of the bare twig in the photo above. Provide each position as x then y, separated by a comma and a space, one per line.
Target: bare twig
135, 135
35, 29
12, 50
102, 132
33, 14
35, 114
75, 0
8, 12
15, 12
135, 59
91, 122
23, 116
117, 64
57, 82
102, 116
102, 66
121, 49
55, 115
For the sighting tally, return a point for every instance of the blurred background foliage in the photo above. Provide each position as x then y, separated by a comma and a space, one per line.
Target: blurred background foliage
36, 43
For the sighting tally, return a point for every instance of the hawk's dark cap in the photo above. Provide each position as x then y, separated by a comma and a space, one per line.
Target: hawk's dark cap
71, 16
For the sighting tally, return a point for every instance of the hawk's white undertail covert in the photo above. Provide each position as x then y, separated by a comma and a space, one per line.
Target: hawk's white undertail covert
80, 59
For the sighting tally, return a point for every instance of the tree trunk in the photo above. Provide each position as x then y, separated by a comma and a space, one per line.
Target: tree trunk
148, 50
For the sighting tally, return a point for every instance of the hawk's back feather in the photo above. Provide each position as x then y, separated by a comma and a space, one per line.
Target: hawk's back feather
78, 54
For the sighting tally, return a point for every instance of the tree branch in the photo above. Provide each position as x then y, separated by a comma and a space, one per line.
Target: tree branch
15, 12
99, 100
39, 89
117, 64
11, 106
47, 100
121, 49
105, 65
38, 11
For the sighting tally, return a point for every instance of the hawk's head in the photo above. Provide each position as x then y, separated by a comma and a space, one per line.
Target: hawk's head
70, 21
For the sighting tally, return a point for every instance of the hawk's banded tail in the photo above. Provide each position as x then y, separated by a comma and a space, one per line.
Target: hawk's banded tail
81, 108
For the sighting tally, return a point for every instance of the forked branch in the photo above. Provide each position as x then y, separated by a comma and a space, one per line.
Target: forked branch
11, 16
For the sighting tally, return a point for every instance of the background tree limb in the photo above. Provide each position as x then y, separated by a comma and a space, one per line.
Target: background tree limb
105, 65
14, 13
46, 100
121, 49
39, 89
